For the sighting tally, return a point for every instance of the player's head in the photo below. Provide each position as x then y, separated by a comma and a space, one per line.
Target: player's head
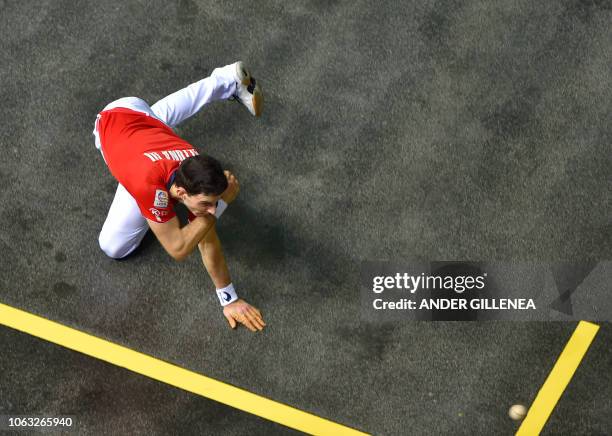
200, 181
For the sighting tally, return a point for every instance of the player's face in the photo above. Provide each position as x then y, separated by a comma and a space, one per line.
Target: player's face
201, 204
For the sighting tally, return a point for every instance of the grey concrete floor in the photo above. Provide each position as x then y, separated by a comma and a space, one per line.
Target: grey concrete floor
437, 130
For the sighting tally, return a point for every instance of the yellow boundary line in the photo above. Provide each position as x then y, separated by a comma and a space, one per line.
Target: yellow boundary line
170, 374
558, 379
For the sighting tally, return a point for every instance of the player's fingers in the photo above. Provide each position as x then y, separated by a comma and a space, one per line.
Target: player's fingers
242, 319
256, 322
257, 316
260, 323
255, 311
248, 325
249, 321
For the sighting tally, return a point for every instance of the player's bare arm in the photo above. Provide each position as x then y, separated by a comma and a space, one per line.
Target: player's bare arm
238, 311
180, 242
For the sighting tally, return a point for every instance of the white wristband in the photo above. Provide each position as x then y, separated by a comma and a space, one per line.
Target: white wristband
227, 295
221, 206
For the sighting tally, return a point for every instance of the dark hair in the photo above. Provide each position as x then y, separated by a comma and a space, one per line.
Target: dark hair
201, 175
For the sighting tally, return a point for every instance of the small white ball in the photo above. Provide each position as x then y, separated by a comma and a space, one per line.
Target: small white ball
517, 412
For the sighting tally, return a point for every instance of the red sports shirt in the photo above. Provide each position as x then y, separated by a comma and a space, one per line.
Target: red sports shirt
142, 153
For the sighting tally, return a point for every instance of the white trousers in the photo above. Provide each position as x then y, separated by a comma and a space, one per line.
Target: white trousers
124, 227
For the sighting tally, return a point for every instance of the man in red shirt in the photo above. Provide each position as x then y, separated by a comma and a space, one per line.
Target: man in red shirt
156, 169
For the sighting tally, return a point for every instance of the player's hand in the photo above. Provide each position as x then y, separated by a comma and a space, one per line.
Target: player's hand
233, 188
242, 312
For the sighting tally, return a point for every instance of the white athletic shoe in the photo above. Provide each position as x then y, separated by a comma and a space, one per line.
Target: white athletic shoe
248, 91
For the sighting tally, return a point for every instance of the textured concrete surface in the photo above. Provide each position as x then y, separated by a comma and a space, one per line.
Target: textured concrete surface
435, 130
105, 399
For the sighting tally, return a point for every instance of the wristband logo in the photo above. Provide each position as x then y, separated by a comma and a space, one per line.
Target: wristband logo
226, 296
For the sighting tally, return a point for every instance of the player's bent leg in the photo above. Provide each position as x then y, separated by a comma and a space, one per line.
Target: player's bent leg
124, 227
224, 82
177, 107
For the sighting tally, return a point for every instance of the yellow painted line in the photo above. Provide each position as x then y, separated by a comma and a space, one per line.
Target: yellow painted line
558, 379
170, 374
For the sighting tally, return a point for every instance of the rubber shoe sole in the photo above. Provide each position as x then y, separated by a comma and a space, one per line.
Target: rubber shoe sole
253, 89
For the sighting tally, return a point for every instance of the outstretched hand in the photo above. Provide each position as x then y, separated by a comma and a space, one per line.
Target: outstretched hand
242, 312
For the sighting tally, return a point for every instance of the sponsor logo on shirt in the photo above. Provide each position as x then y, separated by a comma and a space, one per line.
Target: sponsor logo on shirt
161, 198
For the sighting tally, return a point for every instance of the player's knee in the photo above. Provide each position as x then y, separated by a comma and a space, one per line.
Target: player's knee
112, 249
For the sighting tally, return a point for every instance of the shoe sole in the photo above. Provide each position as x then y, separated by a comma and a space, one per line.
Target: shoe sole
257, 101
245, 78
